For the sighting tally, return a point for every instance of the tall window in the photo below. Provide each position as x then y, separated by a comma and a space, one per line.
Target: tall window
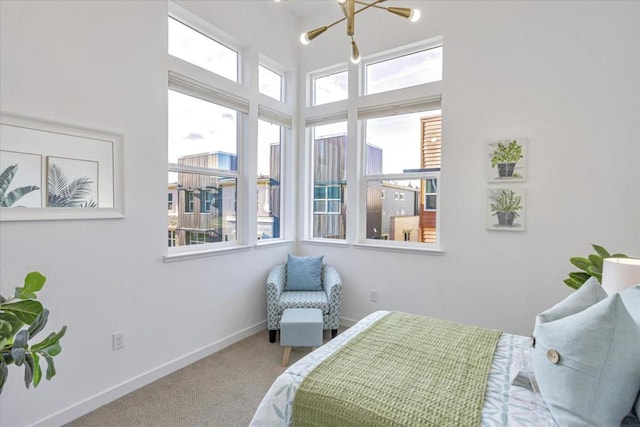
329, 180
269, 175
396, 160
203, 146
398, 147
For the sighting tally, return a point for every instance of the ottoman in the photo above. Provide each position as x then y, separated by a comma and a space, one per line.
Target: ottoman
300, 327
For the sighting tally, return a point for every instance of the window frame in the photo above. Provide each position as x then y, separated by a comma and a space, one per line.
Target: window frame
324, 72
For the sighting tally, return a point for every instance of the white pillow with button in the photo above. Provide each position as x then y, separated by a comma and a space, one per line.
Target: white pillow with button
587, 359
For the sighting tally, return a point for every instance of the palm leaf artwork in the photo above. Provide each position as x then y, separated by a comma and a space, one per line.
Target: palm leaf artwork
62, 193
8, 199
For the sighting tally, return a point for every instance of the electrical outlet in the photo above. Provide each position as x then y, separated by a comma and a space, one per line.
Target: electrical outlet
118, 340
374, 295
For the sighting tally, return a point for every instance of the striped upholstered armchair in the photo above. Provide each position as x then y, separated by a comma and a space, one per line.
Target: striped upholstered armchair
327, 299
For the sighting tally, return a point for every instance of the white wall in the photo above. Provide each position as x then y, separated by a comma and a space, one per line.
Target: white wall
564, 74
103, 65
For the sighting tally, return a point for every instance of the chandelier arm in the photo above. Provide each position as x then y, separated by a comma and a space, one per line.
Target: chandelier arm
337, 22
368, 5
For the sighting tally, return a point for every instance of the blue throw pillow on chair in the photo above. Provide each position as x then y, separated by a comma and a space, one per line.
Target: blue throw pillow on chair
304, 273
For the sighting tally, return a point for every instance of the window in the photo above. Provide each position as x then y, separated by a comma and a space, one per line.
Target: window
329, 180
172, 238
330, 88
270, 83
397, 159
170, 200
398, 147
194, 47
203, 141
268, 194
404, 71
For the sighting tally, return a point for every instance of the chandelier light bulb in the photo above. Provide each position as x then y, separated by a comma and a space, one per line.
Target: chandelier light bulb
304, 39
355, 53
415, 15
341, 2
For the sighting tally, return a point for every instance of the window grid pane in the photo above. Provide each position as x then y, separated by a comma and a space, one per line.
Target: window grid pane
404, 71
270, 83
269, 169
330, 88
194, 47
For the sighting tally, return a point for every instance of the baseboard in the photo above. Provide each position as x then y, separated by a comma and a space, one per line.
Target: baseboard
107, 396
347, 322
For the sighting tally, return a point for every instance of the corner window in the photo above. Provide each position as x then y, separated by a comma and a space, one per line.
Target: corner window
269, 176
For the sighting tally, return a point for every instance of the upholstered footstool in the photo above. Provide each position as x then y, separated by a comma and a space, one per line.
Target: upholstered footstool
300, 327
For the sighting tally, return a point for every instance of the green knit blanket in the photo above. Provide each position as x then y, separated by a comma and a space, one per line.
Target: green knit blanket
404, 370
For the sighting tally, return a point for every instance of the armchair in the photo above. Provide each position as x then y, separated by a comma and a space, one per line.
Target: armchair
328, 299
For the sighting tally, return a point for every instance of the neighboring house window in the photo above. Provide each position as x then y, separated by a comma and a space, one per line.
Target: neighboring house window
170, 200
206, 199
327, 199
189, 201
172, 238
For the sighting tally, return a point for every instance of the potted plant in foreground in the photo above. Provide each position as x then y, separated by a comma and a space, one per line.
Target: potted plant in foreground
22, 317
505, 156
506, 207
591, 266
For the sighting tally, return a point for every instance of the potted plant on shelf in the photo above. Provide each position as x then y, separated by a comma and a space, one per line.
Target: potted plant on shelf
506, 206
22, 317
505, 156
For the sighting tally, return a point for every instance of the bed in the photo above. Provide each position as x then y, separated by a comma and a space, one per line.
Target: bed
509, 398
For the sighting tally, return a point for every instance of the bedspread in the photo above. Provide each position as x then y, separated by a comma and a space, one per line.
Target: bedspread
504, 404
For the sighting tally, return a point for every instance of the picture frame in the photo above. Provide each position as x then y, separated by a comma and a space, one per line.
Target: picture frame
55, 171
507, 160
506, 209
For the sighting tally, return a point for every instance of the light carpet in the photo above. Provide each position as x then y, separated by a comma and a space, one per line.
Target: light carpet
223, 389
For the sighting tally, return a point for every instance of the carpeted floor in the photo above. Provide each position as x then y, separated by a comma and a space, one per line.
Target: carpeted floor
223, 389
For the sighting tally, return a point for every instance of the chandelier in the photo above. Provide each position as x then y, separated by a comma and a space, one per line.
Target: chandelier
349, 10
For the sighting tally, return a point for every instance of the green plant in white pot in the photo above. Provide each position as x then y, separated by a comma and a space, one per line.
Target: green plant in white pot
22, 317
505, 156
506, 206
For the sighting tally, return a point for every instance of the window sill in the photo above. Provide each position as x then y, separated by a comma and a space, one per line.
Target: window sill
389, 248
262, 244
204, 253
325, 242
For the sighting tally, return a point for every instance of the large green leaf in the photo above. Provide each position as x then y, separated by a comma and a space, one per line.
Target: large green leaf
572, 283
52, 340
33, 282
28, 370
37, 372
26, 311
596, 261
601, 251
12, 319
579, 276
51, 368
4, 373
5, 330
580, 262
38, 324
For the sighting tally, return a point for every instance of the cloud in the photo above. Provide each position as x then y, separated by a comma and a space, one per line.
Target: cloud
229, 116
194, 136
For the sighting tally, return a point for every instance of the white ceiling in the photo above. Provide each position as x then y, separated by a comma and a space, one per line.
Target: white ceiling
306, 8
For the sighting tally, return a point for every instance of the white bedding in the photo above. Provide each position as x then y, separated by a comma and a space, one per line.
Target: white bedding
505, 404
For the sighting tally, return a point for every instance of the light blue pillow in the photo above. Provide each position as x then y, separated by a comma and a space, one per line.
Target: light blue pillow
631, 299
587, 295
586, 364
304, 273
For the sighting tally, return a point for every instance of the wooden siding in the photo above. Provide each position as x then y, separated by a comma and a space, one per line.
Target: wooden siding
431, 158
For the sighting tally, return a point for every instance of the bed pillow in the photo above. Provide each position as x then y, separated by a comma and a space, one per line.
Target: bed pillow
586, 364
587, 295
631, 299
304, 273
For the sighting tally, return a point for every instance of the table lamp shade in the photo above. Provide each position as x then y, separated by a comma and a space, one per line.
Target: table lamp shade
619, 274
